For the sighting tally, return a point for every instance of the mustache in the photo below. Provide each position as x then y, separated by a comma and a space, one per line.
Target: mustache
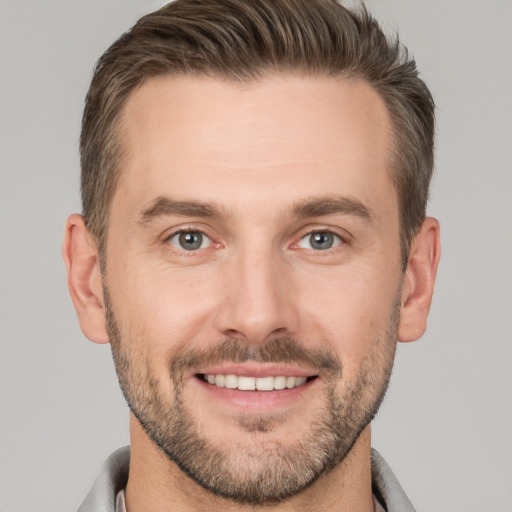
283, 349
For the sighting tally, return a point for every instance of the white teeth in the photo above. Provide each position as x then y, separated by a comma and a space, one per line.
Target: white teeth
279, 382
231, 381
265, 383
290, 382
252, 383
299, 381
246, 383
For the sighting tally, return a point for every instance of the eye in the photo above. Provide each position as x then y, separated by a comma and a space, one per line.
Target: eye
319, 241
189, 240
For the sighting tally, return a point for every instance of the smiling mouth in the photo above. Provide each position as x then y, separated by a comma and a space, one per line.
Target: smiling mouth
244, 383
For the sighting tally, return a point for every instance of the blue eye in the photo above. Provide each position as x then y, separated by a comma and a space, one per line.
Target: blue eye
320, 241
189, 240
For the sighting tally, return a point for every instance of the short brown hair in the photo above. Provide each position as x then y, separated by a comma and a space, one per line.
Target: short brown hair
245, 40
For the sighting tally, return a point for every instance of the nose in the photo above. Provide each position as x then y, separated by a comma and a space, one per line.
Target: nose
257, 297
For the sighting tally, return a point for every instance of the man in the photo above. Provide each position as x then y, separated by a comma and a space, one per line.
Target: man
253, 244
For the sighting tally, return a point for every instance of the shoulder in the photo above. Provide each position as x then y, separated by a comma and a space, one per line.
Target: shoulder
111, 479
386, 487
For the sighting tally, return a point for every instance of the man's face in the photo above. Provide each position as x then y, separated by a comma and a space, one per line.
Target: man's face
254, 243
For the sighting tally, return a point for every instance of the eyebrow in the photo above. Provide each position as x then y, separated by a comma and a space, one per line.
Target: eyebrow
165, 206
332, 205
314, 207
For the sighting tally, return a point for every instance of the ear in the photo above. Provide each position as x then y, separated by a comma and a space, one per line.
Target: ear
419, 281
84, 278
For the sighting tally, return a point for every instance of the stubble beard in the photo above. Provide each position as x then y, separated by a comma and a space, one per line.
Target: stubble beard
262, 471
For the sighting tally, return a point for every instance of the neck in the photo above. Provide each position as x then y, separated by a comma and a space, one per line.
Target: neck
156, 483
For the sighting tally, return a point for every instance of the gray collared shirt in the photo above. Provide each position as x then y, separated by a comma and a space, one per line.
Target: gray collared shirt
114, 475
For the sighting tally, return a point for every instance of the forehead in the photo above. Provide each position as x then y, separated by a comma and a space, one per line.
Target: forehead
205, 137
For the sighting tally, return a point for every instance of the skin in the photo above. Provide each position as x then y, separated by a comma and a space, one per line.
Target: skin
254, 153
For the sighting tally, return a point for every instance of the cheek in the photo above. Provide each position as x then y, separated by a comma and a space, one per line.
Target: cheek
351, 311
162, 308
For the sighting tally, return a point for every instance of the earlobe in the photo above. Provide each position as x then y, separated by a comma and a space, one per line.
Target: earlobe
419, 279
84, 278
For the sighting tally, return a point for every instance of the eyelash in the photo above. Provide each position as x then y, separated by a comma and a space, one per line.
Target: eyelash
341, 240
186, 231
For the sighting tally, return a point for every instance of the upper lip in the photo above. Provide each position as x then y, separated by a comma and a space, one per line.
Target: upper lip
254, 369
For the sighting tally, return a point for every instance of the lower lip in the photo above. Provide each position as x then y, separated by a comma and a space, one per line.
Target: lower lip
251, 401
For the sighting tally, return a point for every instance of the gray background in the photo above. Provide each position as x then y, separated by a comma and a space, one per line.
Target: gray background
446, 425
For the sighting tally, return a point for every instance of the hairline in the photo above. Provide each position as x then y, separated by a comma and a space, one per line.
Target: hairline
119, 150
